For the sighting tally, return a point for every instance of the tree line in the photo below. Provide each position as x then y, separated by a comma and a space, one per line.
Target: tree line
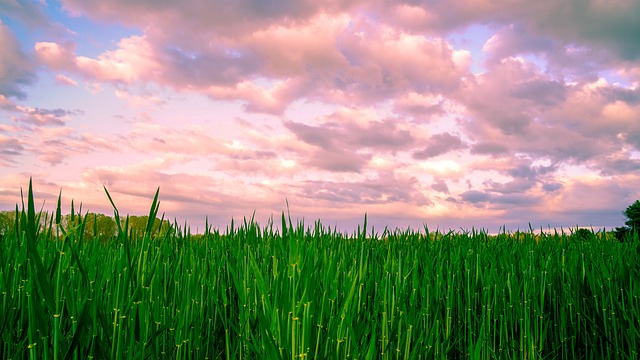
96, 226
100, 226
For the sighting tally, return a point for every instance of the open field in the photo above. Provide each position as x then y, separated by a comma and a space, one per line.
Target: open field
306, 291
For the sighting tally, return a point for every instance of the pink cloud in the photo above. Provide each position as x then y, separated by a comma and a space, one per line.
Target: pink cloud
132, 61
259, 154
385, 62
6, 103
311, 47
191, 140
56, 56
43, 117
65, 80
273, 100
512, 40
420, 106
50, 145
346, 140
341, 59
230, 19
11, 148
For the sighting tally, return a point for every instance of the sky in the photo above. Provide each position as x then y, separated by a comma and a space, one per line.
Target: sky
451, 114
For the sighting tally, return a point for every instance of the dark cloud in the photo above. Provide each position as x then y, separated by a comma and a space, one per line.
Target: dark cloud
609, 25
516, 186
208, 66
438, 145
383, 134
620, 166
633, 138
343, 133
440, 186
338, 161
574, 147
581, 63
419, 111
516, 199
517, 109
16, 71
475, 196
498, 201
525, 177
545, 92
322, 137
489, 148
223, 17
552, 186
626, 95
386, 188
10, 147
527, 171
255, 155
46, 117
27, 11
512, 40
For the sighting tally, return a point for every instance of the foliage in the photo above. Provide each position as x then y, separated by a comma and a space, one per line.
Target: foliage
296, 291
584, 235
94, 226
632, 228
7, 221
633, 215
622, 233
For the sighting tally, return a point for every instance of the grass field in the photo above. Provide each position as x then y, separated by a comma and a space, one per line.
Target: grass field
299, 290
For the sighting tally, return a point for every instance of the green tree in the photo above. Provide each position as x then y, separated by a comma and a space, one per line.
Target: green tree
7, 221
138, 223
633, 216
621, 233
632, 224
100, 225
584, 235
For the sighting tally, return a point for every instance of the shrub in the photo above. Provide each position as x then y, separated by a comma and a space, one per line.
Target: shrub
584, 235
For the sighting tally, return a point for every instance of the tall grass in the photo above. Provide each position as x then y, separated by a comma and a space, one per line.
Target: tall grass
308, 291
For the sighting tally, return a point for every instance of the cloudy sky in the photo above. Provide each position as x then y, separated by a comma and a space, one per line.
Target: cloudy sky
453, 113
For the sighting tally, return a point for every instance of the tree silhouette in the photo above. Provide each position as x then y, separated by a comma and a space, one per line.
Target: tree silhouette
633, 223
584, 235
633, 216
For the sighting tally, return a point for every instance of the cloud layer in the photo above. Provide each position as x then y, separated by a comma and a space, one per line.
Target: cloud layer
457, 114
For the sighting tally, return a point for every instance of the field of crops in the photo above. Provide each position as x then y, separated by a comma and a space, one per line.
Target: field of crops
295, 290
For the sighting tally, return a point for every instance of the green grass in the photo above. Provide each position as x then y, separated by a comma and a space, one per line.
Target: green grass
295, 291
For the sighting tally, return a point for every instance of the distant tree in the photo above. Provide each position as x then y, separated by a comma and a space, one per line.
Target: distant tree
100, 226
138, 224
632, 223
584, 235
633, 216
621, 233
7, 221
